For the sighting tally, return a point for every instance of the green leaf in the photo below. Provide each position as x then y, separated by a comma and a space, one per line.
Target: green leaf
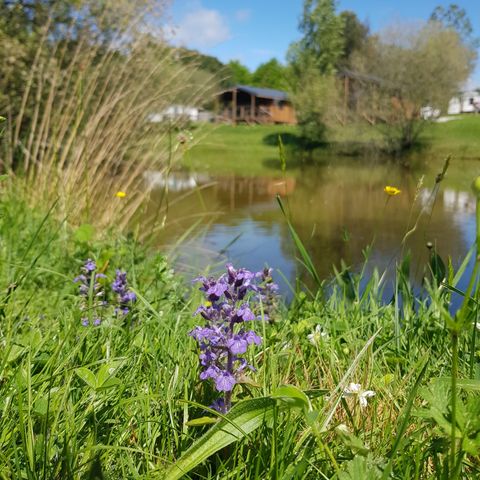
41, 406
437, 266
245, 417
199, 422
307, 260
106, 372
351, 441
468, 384
14, 353
361, 468
110, 383
87, 376
3, 178
293, 396
84, 233
405, 418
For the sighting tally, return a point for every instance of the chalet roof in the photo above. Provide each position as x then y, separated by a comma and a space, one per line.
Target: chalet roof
262, 92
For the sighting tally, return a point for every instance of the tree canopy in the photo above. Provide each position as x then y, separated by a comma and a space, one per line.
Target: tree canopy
271, 74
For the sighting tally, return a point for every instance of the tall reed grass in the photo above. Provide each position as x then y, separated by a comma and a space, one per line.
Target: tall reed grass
82, 132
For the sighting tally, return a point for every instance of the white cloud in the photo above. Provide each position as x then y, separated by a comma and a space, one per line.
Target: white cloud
201, 28
242, 15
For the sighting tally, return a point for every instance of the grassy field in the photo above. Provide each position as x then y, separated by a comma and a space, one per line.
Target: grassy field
253, 150
342, 386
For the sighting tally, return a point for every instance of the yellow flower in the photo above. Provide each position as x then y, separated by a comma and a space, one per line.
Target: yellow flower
121, 194
392, 191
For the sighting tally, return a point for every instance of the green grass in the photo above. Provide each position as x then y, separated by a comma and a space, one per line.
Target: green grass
115, 401
459, 137
238, 150
253, 151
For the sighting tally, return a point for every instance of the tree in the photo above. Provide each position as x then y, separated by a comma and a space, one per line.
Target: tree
355, 37
411, 68
238, 74
313, 63
457, 19
322, 44
271, 74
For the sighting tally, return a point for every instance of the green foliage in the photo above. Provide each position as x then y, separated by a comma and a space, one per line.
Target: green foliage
314, 99
244, 418
322, 43
238, 74
355, 35
271, 74
123, 400
408, 68
313, 61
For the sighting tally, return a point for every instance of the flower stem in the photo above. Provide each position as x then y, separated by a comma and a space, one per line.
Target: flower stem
453, 440
228, 395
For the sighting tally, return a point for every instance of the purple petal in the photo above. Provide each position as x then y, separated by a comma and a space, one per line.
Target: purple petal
237, 345
90, 265
252, 337
224, 382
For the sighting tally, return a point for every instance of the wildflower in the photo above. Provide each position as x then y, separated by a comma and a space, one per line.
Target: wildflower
125, 297
219, 405
268, 292
224, 338
355, 390
91, 291
391, 191
120, 194
317, 335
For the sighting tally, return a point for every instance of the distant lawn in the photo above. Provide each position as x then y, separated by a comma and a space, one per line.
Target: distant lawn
253, 150
459, 137
246, 150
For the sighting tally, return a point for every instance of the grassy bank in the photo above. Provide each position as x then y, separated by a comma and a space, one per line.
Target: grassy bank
253, 150
88, 392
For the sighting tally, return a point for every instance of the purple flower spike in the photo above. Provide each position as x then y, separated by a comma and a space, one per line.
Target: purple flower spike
91, 291
125, 297
230, 300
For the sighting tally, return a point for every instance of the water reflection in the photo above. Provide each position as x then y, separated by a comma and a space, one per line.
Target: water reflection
337, 210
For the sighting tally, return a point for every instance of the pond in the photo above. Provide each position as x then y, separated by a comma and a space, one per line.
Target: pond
338, 209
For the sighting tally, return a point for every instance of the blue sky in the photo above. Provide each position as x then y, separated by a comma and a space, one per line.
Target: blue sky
253, 31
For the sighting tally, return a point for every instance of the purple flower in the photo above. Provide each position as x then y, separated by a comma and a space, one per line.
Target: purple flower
91, 291
90, 265
237, 344
230, 301
243, 314
267, 292
219, 405
224, 381
125, 297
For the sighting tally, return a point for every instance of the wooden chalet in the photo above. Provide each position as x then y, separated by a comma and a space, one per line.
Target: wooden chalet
255, 105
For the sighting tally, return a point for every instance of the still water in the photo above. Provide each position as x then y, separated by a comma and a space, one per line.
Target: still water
338, 209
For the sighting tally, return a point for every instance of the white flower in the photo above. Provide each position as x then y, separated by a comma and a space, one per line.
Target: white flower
477, 324
317, 335
355, 390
